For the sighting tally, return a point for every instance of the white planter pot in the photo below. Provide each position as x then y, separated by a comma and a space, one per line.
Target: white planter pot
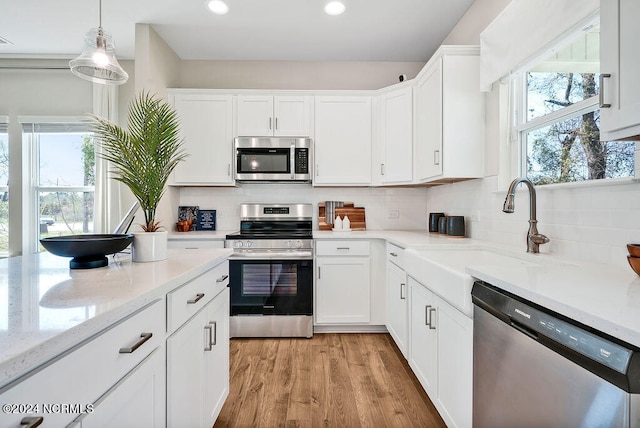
149, 246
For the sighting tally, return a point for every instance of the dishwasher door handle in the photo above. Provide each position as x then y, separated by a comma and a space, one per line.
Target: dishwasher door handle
532, 334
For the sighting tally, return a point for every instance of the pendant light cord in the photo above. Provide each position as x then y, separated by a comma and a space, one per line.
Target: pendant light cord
100, 14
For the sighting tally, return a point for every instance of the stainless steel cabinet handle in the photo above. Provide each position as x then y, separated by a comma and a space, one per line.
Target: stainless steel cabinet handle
222, 278
436, 157
319, 272
207, 341
196, 299
426, 315
601, 95
317, 170
31, 421
215, 332
343, 248
143, 338
393, 254
229, 169
276, 123
381, 169
402, 296
269, 123
432, 325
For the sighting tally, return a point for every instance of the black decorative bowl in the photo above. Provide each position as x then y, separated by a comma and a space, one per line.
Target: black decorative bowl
88, 251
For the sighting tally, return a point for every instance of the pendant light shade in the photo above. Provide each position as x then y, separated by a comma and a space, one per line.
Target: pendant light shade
98, 62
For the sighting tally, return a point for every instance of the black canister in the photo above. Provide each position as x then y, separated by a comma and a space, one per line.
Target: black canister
442, 225
434, 219
455, 226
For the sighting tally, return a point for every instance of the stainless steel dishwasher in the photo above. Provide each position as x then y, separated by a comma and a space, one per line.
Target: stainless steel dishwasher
535, 368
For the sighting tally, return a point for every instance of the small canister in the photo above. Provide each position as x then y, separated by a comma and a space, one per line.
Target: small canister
442, 225
434, 219
455, 226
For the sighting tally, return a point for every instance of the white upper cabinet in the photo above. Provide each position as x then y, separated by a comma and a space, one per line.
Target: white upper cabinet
396, 137
620, 68
449, 117
268, 115
206, 121
342, 140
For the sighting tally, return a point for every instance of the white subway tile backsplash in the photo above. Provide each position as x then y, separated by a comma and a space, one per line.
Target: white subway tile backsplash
587, 223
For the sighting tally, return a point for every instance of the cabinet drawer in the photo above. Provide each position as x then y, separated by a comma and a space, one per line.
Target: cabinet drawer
184, 302
195, 244
342, 248
81, 376
395, 255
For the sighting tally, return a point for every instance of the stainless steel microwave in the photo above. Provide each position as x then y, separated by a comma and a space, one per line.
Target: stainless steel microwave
264, 159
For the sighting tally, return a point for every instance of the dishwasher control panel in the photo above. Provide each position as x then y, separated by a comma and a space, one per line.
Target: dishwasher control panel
595, 347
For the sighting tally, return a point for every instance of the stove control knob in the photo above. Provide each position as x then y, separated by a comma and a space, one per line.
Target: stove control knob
298, 244
248, 244
238, 244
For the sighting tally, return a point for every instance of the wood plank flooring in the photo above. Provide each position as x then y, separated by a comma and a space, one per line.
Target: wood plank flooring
332, 380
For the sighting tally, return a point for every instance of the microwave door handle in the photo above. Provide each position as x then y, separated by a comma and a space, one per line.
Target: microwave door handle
292, 161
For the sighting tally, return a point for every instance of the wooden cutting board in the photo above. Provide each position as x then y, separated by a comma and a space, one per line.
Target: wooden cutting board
356, 216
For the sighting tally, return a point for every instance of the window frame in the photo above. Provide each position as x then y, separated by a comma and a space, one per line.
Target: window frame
31, 170
4, 124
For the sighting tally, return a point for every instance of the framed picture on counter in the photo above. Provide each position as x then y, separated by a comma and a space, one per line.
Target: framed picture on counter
189, 213
206, 220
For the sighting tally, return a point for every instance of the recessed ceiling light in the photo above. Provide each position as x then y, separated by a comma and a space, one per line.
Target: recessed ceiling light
218, 7
334, 8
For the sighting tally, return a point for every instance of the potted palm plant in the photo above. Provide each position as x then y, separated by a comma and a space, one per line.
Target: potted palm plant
143, 157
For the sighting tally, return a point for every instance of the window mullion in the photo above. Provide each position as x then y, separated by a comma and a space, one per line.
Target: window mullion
577, 109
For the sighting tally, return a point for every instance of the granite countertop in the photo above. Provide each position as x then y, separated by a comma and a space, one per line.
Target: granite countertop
50, 308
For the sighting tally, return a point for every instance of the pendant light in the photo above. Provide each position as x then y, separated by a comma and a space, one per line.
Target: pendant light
98, 62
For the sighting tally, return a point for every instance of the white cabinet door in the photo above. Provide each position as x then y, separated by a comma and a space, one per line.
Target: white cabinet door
206, 128
216, 363
342, 141
423, 352
620, 59
342, 290
455, 365
292, 116
449, 117
255, 115
198, 366
397, 306
137, 400
429, 123
268, 115
396, 135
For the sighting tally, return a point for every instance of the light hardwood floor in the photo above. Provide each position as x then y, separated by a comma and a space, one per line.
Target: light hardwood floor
332, 380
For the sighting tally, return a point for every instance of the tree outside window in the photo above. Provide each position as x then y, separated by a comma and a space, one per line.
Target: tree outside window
561, 130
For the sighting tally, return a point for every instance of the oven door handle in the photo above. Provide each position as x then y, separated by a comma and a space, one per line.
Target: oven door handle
272, 256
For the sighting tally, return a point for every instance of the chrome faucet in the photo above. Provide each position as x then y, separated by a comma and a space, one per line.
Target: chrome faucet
534, 238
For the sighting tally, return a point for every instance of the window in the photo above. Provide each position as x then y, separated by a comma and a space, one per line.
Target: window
63, 178
559, 119
4, 189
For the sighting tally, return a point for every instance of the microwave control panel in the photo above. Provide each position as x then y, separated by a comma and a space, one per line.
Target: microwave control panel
302, 161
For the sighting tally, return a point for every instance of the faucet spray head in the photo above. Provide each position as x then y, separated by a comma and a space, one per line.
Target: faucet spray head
509, 205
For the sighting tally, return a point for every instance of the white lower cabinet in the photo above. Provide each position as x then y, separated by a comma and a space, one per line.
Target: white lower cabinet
441, 354
342, 282
91, 376
397, 304
198, 366
137, 399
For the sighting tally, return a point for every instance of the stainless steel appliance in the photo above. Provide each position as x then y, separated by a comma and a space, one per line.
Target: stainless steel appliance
535, 368
265, 159
271, 271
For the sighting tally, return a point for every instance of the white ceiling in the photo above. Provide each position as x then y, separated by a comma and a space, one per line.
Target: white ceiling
293, 30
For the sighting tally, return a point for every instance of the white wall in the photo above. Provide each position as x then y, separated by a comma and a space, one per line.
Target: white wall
294, 74
410, 202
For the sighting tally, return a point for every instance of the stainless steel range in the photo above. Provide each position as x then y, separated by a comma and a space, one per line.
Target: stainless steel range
271, 271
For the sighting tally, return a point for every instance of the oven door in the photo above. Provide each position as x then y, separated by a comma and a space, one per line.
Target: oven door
275, 286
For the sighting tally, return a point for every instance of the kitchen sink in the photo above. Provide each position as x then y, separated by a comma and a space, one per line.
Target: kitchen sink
444, 270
